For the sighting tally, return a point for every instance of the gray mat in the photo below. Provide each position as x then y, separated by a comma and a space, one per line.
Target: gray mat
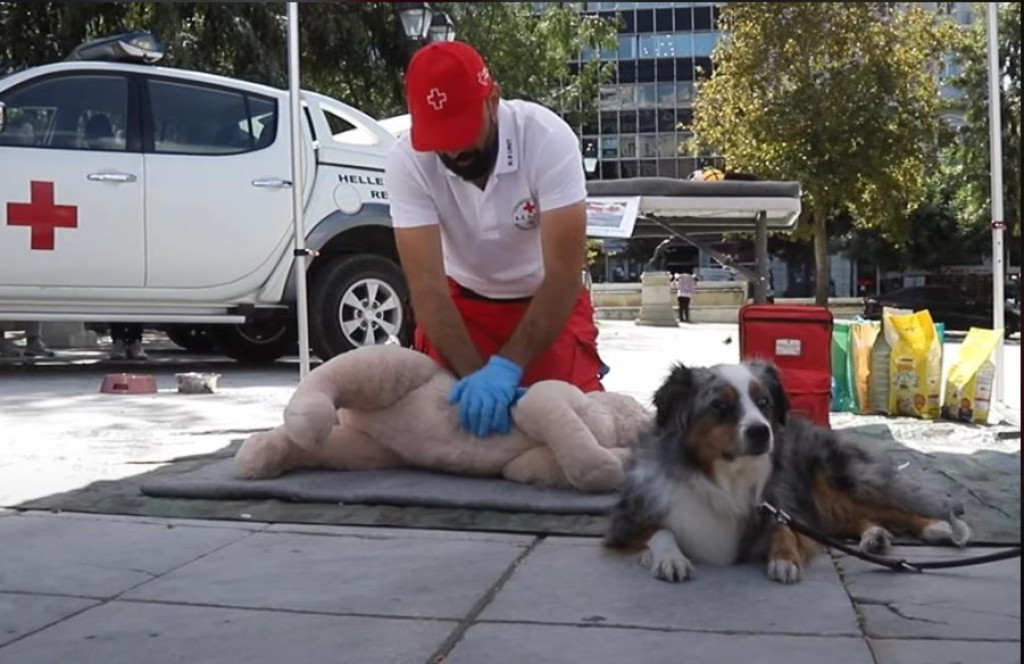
403, 488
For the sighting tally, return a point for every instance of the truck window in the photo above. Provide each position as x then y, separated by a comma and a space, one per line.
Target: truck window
204, 120
74, 112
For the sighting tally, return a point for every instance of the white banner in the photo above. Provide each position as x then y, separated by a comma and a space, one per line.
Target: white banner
612, 217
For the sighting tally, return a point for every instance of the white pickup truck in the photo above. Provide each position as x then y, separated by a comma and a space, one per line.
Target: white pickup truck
136, 193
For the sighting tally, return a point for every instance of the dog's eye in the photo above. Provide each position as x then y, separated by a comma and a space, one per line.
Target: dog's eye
721, 407
762, 402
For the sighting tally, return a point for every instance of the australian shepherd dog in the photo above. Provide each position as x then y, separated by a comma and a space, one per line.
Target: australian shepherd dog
723, 443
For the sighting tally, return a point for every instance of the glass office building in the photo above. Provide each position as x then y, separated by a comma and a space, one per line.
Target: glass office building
662, 48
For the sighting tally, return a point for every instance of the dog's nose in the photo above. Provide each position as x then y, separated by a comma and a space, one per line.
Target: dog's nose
759, 437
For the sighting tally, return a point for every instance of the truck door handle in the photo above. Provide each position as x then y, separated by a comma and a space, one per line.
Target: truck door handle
271, 183
110, 177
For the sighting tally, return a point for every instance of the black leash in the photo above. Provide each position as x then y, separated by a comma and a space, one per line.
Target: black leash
895, 564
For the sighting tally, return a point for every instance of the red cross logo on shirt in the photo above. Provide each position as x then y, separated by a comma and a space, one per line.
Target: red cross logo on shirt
524, 214
42, 216
436, 98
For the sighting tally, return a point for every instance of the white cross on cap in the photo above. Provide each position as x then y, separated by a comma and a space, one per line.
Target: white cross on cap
437, 99
483, 77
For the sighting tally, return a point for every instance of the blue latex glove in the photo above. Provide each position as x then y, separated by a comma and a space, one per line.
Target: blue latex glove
484, 397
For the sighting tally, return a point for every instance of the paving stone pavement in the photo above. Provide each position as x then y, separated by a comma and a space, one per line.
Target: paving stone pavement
98, 589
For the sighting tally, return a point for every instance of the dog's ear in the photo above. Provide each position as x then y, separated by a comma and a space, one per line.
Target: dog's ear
769, 375
673, 394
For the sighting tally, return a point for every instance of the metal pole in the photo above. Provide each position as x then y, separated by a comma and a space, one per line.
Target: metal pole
761, 259
295, 115
996, 167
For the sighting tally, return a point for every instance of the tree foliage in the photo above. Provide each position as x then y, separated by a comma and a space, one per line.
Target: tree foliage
839, 96
967, 162
355, 51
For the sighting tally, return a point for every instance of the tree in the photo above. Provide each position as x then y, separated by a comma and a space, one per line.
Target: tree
355, 51
967, 162
839, 96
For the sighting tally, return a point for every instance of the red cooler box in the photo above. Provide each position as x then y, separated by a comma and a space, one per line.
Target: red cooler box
798, 339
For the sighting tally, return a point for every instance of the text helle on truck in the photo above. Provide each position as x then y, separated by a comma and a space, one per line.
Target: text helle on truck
136, 193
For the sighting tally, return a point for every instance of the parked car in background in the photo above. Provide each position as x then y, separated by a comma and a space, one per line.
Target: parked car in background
949, 305
131, 192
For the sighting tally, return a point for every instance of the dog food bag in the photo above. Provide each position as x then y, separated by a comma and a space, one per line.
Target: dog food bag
842, 376
863, 335
970, 379
915, 367
881, 351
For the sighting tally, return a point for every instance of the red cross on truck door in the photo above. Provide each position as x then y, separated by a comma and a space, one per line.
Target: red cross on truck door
42, 216
66, 221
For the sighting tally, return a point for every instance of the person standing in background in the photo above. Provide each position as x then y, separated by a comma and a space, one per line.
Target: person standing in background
686, 285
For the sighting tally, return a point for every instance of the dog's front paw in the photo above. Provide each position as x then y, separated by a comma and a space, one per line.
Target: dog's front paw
783, 571
954, 531
670, 566
875, 540
961, 532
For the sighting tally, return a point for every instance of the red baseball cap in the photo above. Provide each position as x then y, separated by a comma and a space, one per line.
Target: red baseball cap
445, 86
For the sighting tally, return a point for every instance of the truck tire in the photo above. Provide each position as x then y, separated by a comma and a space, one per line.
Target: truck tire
355, 301
258, 341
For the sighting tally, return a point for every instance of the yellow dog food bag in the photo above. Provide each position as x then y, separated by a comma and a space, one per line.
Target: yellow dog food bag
863, 335
915, 367
878, 370
970, 380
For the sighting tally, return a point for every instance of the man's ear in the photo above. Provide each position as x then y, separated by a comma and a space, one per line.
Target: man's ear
673, 395
769, 375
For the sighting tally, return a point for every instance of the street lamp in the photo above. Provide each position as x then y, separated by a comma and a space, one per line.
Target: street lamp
442, 28
590, 157
416, 18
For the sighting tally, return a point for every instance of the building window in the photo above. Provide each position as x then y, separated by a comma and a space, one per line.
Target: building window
647, 146
684, 92
666, 46
668, 168
646, 95
627, 47
684, 19
704, 43
648, 46
667, 119
610, 147
627, 147
627, 122
609, 170
663, 19
628, 169
647, 121
702, 19
648, 168
610, 122
645, 21
684, 45
668, 146
667, 94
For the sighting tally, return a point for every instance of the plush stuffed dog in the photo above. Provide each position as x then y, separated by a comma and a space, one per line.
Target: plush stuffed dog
387, 407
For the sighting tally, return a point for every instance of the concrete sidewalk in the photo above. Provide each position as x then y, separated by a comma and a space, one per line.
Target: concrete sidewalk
106, 589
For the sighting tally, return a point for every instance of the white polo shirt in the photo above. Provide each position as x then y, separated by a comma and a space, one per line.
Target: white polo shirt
491, 237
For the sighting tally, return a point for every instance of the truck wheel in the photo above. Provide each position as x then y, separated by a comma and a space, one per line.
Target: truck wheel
357, 301
257, 341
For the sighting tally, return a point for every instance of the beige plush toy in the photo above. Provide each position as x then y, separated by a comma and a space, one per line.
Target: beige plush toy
387, 407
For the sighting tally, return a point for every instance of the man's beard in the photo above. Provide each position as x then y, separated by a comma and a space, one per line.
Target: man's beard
474, 164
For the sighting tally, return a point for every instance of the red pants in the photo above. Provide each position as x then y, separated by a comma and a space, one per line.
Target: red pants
571, 358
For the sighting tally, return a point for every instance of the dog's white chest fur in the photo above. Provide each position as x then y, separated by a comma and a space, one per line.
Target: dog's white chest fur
709, 518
